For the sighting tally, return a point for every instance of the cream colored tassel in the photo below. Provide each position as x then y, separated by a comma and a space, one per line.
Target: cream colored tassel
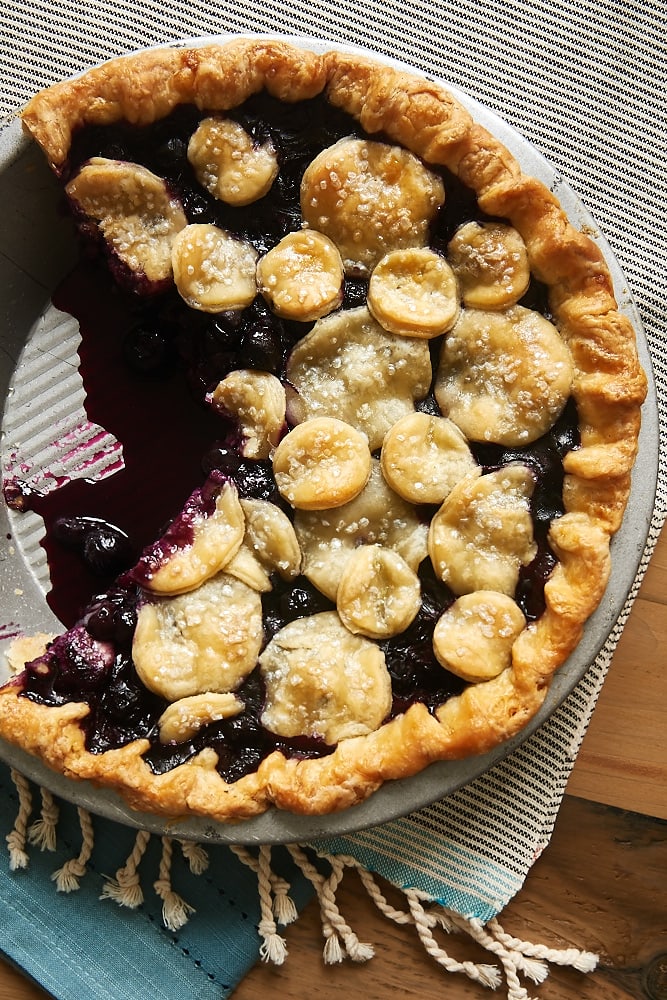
16, 840
340, 939
273, 948
284, 909
195, 855
67, 878
516, 957
175, 911
42, 833
582, 961
125, 888
525, 958
487, 975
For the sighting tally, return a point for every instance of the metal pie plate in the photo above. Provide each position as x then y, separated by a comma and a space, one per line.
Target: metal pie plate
44, 432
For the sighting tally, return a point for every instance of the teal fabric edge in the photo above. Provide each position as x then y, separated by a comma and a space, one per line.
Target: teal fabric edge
74, 944
454, 896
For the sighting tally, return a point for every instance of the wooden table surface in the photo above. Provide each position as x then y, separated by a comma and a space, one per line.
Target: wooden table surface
601, 884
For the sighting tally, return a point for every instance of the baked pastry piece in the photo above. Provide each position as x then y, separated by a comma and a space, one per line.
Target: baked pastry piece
427, 410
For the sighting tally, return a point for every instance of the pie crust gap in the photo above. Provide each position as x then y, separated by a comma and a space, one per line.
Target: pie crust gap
375, 430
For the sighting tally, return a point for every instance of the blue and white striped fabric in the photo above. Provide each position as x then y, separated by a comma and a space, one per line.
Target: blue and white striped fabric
471, 852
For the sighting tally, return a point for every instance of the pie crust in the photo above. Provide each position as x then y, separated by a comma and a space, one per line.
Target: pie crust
608, 386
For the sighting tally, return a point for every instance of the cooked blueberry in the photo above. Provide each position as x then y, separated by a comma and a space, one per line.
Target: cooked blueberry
254, 479
251, 693
542, 459
106, 550
224, 331
285, 602
355, 291
196, 206
170, 156
83, 661
529, 593
206, 375
124, 625
273, 622
101, 623
244, 731
223, 458
124, 700
303, 600
72, 531
96, 141
261, 348
146, 350
565, 432
237, 765
537, 298
545, 508
428, 405
113, 617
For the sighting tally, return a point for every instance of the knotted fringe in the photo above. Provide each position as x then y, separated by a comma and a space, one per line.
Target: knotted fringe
125, 887
42, 833
275, 904
16, 840
67, 877
175, 911
340, 939
515, 957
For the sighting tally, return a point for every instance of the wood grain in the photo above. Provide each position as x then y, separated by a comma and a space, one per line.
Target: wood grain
623, 759
613, 906
599, 885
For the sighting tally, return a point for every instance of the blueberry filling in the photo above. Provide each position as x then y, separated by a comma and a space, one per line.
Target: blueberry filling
163, 359
180, 533
104, 548
415, 673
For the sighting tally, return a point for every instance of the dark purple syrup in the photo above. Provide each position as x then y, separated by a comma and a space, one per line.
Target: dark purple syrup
147, 363
162, 427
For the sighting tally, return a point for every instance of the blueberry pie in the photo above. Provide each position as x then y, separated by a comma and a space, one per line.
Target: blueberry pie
379, 412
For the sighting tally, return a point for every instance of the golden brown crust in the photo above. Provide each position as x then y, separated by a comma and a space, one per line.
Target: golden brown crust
145, 87
609, 387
